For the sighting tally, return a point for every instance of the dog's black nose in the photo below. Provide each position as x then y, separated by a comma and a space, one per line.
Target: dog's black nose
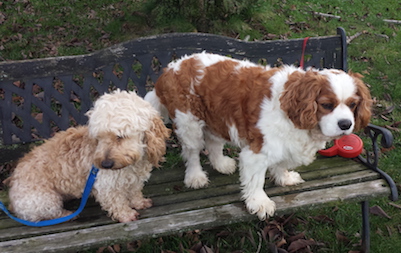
344, 124
107, 164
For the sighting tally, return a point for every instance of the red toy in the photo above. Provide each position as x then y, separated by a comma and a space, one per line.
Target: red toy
348, 146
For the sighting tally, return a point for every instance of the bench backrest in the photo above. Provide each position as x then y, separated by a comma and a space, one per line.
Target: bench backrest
41, 96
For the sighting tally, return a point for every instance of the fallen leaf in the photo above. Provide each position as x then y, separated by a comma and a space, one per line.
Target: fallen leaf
387, 97
323, 219
196, 247
272, 232
38, 117
133, 246
223, 233
206, 249
340, 236
377, 210
100, 250
280, 250
396, 124
117, 248
384, 117
388, 110
300, 244
296, 237
393, 128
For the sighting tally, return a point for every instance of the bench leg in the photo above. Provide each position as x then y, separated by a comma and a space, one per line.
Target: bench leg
365, 227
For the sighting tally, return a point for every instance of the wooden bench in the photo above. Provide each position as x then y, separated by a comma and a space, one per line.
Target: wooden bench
40, 96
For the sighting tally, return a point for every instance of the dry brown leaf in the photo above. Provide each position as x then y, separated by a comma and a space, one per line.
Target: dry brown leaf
396, 124
223, 233
296, 237
39, 117
280, 250
340, 236
385, 118
206, 249
387, 97
300, 244
395, 129
272, 232
323, 219
132, 246
377, 210
196, 247
100, 250
388, 110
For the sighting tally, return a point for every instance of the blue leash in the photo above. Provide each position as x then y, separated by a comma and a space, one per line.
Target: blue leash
85, 196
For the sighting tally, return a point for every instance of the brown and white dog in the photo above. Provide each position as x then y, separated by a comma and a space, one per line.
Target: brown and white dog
279, 117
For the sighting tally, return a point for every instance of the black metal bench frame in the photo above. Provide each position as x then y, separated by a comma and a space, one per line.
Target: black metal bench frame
41, 96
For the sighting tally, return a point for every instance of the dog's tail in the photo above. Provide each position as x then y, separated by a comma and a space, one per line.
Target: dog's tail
154, 100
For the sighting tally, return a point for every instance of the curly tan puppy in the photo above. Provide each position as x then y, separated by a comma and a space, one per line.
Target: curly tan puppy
125, 138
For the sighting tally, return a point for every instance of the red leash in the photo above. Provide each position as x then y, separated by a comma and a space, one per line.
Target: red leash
301, 64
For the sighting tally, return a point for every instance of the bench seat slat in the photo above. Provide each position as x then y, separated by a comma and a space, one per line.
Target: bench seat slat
173, 197
203, 217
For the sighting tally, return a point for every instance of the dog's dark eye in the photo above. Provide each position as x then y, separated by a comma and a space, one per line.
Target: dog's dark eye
352, 105
119, 137
328, 106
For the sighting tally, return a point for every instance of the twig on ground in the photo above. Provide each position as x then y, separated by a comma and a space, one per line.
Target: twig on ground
395, 205
385, 58
383, 36
352, 37
393, 21
326, 15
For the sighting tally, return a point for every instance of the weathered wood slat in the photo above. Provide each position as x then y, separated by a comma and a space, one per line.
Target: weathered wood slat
204, 217
174, 197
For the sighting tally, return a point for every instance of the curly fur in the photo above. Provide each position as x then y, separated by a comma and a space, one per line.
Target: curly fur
124, 137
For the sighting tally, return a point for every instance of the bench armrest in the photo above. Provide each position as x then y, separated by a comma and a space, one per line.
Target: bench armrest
372, 157
386, 141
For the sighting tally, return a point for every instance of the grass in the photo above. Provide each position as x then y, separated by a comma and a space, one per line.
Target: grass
36, 29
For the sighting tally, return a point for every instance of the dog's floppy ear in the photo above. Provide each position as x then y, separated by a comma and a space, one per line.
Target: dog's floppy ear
155, 138
363, 110
298, 100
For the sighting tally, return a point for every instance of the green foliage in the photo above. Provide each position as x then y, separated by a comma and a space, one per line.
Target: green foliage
201, 15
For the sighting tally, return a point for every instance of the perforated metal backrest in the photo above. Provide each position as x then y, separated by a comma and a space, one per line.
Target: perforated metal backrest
41, 96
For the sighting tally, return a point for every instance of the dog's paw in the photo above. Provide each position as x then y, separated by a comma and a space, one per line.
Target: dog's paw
226, 165
289, 178
196, 180
142, 203
127, 216
261, 205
